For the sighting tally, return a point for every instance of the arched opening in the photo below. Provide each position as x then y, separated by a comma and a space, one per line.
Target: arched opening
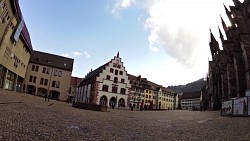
103, 100
54, 95
42, 92
31, 89
121, 102
112, 102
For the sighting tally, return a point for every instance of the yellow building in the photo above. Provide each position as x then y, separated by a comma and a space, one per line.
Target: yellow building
156, 96
148, 97
49, 74
15, 46
169, 98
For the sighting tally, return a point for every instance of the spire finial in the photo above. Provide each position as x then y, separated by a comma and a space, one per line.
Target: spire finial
221, 35
211, 35
227, 11
117, 54
223, 24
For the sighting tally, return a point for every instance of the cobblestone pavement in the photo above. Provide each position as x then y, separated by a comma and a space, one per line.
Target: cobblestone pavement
24, 117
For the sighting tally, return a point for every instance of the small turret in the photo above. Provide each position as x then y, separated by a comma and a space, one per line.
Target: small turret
214, 45
237, 3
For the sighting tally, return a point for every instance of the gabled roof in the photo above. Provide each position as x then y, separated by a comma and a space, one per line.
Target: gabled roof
52, 60
96, 71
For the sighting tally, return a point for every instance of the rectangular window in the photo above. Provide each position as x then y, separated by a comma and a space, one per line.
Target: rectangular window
48, 71
123, 91
111, 70
55, 72
146, 96
41, 81
116, 72
45, 82
105, 88
37, 67
53, 83
33, 67
115, 79
44, 69
108, 77
122, 80
114, 89
60, 73
57, 84
34, 79
121, 72
31, 78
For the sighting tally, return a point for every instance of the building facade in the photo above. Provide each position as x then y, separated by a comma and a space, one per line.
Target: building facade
191, 100
107, 85
136, 98
75, 81
15, 46
159, 97
229, 70
48, 74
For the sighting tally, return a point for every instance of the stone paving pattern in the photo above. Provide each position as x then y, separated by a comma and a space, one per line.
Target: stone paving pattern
24, 117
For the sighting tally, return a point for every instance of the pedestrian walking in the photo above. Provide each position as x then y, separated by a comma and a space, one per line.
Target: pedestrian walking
48, 97
45, 96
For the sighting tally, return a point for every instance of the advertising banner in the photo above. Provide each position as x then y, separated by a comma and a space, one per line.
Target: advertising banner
227, 108
240, 106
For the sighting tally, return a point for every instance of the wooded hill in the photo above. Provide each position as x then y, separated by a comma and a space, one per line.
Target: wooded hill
190, 87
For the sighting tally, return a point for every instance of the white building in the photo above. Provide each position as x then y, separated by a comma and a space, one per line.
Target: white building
191, 100
107, 85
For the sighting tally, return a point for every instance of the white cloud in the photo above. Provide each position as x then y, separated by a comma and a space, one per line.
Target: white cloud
86, 54
182, 27
76, 53
65, 55
121, 5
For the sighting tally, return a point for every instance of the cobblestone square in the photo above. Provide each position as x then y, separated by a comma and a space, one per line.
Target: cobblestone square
26, 117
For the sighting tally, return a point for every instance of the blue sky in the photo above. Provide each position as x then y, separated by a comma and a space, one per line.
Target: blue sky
165, 41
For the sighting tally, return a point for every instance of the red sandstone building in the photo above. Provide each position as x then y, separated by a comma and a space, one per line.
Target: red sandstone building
229, 70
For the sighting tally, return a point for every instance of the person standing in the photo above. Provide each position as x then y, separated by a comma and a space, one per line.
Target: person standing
45, 96
48, 97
